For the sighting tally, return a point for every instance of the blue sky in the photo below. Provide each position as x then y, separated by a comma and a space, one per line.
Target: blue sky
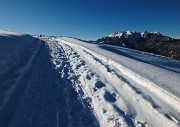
90, 19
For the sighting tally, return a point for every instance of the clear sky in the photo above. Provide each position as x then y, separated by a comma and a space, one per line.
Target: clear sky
90, 19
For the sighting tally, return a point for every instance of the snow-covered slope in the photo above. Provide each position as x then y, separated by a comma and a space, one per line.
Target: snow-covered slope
158, 69
65, 82
139, 86
9, 33
16, 53
33, 93
12, 46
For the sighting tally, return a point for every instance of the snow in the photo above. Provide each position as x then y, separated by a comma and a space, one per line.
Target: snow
116, 34
155, 99
126, 34
61, 81
15, 48
9, 33
158, 69
34, 92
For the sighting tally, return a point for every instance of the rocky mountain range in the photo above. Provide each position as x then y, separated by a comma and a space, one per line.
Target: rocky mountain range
153, 42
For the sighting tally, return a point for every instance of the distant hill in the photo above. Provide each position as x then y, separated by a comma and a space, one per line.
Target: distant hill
153, 42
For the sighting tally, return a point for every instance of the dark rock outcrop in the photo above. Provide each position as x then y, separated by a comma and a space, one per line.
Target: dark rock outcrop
149, 42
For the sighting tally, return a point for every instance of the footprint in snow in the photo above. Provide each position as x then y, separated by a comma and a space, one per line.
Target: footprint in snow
143, 124
99, 85
88, 77
109, 97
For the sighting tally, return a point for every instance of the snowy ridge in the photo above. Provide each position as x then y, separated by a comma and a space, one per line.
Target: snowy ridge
15, 59
9, 33
128, 33
113, 95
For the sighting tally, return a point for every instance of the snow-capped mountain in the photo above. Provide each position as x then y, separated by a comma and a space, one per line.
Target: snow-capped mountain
129, 34
153, 42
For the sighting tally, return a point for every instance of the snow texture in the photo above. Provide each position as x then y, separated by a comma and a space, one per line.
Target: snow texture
66, 82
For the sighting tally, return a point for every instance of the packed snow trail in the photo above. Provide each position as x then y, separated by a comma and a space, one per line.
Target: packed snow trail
44, 96
119, 100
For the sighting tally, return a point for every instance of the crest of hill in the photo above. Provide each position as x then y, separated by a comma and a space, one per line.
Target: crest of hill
10, 33
13, 46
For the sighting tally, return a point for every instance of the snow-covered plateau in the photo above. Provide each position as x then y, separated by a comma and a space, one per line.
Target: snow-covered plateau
66, 82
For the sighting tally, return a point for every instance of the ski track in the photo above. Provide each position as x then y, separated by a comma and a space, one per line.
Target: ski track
115, 99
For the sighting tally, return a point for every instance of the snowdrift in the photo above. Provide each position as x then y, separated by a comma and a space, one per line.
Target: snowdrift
16, 50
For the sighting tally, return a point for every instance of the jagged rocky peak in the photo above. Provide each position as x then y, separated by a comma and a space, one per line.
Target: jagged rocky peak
153, 42
135, 34
116, 34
